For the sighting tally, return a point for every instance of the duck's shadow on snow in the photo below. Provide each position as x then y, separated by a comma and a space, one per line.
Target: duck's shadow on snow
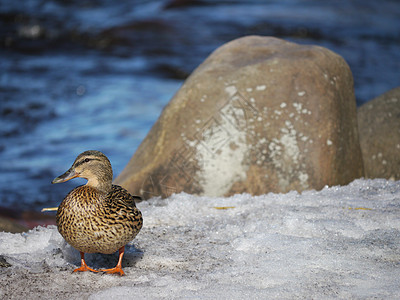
102, 261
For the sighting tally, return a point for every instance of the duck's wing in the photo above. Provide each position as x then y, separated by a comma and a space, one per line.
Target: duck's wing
121, 195
122, 209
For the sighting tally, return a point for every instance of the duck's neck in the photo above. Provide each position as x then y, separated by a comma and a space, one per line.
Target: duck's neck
100, 185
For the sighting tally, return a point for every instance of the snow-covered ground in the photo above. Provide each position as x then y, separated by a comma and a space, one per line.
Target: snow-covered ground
341, 242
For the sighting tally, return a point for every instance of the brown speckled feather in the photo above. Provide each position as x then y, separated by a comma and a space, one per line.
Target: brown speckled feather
92, 221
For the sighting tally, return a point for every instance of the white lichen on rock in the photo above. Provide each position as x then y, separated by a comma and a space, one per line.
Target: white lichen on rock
222, 148
286, 156
261, 87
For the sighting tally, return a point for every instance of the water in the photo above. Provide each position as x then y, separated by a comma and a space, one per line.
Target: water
96, 74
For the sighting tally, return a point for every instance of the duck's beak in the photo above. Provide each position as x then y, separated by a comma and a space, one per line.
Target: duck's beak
66, 176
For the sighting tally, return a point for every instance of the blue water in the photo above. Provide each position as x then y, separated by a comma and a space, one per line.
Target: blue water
96, 74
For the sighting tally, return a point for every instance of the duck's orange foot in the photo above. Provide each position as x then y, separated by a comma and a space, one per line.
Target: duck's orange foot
116, 270
85, 268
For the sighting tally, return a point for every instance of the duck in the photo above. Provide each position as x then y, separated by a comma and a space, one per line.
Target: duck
99, 216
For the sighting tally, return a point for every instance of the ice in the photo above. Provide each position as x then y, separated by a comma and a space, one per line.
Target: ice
340, 242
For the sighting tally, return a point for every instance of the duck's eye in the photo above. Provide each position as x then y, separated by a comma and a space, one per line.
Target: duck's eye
87, 160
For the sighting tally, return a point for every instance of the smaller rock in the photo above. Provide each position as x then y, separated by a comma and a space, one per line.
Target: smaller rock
379, 134
4, 263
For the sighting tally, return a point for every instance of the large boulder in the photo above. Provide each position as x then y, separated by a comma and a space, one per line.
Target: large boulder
379, 129
259, 115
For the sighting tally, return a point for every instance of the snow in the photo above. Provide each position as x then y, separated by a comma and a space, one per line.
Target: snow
341, 242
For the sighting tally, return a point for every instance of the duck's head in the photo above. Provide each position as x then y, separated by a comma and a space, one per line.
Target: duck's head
93, 166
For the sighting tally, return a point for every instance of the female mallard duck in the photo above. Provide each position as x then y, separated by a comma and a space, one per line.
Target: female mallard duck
98, 216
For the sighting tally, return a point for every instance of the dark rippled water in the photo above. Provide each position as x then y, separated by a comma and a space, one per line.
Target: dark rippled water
95, 74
